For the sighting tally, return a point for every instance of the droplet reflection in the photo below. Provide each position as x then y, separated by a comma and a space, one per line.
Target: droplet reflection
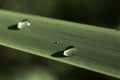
23, 24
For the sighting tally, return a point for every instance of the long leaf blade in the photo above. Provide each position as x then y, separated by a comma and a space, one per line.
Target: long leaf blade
98, 48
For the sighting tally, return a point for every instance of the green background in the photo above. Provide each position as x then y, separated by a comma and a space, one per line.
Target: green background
16, 65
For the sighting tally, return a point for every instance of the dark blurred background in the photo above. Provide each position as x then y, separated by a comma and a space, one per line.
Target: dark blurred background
17, 65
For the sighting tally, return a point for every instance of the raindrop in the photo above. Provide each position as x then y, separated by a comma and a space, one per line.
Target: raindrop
69, 51
58, 42
23, 24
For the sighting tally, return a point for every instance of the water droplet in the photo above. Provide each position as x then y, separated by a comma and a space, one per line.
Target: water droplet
23, 24
58, 42
69, 51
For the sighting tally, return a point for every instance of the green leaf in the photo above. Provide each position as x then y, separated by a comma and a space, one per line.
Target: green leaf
98, 49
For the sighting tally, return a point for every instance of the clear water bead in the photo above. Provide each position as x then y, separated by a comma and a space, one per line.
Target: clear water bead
58, 42
69, 52
23, 24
